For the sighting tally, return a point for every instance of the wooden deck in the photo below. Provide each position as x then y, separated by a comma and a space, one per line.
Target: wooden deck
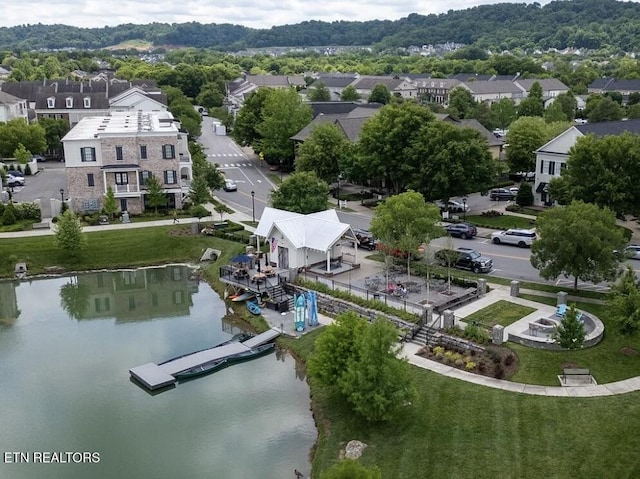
154, 376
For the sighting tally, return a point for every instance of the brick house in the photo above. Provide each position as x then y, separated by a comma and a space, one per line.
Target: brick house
123, 150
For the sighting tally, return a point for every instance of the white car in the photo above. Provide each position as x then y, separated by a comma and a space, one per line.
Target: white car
521, 238
453, 206
13, 180
230, 185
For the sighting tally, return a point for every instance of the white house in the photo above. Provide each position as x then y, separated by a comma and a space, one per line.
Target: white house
551, 158
300, 241
12, 107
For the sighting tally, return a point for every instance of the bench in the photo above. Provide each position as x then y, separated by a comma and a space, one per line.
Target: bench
583, 375
40, 226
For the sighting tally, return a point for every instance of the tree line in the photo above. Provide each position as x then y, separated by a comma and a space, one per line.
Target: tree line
590, 24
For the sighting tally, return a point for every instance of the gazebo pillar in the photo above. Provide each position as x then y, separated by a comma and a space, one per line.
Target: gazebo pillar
329, 260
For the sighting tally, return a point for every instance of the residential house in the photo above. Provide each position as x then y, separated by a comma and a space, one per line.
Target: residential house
240, 89
124, 150
495, 90
335, 83
401, 87
12, 107
624, 87
551, 158
551, 87
436, 90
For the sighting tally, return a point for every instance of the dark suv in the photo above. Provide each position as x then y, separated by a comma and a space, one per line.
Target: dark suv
365, 239
461, 230
464, 258
501, 194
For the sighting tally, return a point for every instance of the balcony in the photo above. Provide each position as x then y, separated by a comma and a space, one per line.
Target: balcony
184, 158
126, 189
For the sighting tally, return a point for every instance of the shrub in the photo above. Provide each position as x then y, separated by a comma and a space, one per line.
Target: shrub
470, 366
525, 195
492, 213
9, 216
508, 361
438, 350
27, 170
498, 372
439, 356
459, 362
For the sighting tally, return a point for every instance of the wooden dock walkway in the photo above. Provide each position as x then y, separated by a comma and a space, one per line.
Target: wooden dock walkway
154, 376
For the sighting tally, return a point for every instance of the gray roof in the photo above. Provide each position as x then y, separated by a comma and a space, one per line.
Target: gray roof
350, 123
276, 80
545, 84
492, 139
447, 83
368, 83
463, 77
613, 84
338, 107
604, 128
8, 99
99, 101
334, 81
494, 86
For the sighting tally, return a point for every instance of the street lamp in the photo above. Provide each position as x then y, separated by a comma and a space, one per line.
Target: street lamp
253, 206
10, 194
62, 195
280, 170
339, 178
464, 208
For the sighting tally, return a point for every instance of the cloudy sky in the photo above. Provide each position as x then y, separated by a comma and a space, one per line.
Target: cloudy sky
255, 14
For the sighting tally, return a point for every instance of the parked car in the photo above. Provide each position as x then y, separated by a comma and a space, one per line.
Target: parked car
15, 173
461, 230
501, 194
453, 206
38, 158
230, 185
464, 258
632, 251
13, 180
365, 239
521, 238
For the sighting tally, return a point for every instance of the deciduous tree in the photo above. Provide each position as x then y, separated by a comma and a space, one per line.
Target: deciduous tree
319, 92
325, 152
301, 192
378, 384
110, 206
570, 332
624, 303
349, 94
155, 194
577, 241
532, 105
380, 94
245, 131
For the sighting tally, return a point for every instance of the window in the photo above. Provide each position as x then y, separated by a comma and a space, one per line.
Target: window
541, 166
143, 152
68, 102
122, 178
145, 176
90, 180
51, 102
119, 156
170, 177
168, 152
88, 154
87, 102
552, 167
563, 166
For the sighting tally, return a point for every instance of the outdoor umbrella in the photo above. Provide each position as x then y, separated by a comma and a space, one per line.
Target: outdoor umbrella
241, 259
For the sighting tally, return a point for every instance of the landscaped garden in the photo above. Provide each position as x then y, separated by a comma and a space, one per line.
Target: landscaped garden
501, 312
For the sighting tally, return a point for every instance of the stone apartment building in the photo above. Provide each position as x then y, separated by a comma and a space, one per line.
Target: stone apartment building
124, 150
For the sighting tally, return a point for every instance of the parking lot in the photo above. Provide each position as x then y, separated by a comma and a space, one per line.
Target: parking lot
43, 187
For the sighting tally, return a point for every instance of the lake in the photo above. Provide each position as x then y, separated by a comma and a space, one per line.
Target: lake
71, 410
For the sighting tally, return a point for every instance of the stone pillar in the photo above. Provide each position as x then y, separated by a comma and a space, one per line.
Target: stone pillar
562, 298
497, 334
428, 314
448, 319
482, 287
515, 288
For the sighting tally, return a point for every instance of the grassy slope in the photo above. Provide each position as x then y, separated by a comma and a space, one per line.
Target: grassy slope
460, 430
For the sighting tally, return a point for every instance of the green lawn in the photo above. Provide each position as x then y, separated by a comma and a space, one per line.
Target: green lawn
501, 312
112, 249
460, 430
503, 222
606, 360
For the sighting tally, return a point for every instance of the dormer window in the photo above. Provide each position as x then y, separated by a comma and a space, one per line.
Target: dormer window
68, 102
87, 102
51, 102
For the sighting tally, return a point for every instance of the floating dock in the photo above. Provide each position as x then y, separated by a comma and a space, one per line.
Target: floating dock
155, 376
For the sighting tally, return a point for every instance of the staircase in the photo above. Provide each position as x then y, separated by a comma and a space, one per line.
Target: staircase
428, 334
278, 294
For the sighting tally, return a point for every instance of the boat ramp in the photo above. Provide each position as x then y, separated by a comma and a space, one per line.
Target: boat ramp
155, 376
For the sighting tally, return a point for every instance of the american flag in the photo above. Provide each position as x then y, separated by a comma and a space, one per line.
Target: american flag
274, 244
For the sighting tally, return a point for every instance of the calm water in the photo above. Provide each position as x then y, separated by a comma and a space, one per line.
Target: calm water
64, 384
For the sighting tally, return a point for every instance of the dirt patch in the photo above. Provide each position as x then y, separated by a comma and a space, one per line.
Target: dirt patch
629, 352
495, 362
570, 366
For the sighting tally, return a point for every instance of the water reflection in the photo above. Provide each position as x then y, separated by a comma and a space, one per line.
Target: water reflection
66, 384
131, 295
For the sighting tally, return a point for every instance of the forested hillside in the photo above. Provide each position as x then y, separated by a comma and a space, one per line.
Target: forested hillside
589, 24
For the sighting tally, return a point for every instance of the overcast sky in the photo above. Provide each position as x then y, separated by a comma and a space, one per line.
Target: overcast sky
255, 14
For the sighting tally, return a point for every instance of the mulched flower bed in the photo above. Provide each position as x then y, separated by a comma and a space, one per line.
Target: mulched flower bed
495, 362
